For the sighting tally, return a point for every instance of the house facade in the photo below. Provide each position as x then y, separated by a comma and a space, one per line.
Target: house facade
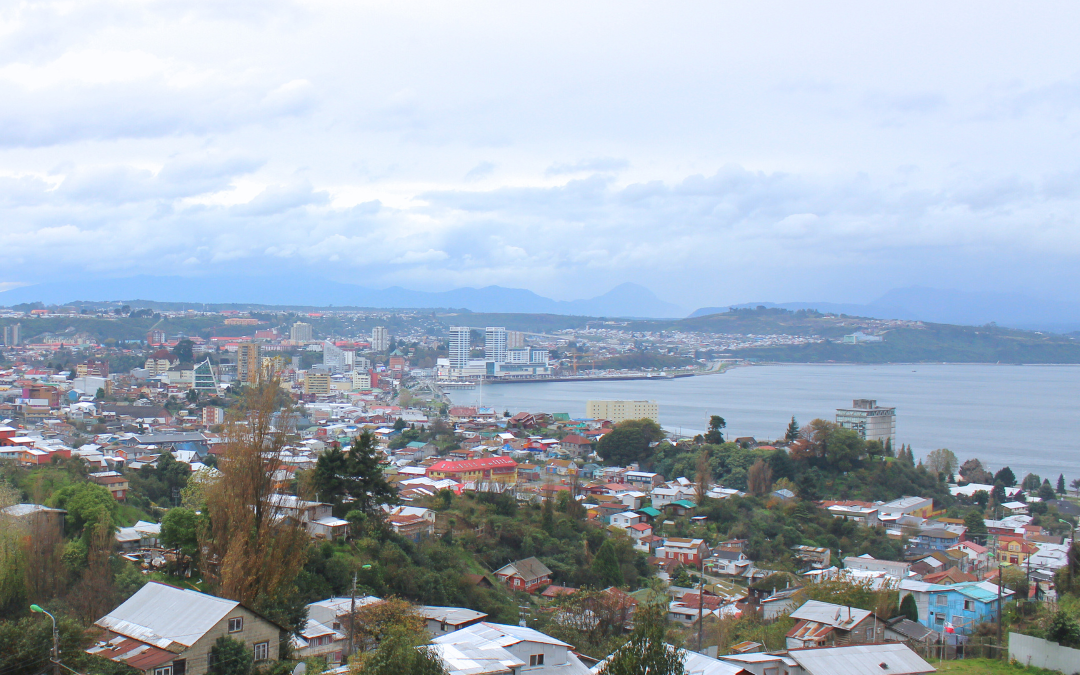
528, 575
164, 630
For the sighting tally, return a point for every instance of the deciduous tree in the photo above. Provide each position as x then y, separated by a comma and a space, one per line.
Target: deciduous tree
229, 657
759, 478
941, 460
647, 652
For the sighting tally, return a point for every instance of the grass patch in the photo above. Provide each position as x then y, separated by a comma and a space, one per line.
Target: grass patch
987, 667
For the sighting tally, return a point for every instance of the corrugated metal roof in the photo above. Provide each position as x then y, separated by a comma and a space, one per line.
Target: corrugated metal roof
160, 615
484, 635
827, 613
890, 658
454, 616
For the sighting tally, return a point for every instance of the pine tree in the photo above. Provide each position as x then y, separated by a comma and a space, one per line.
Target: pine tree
792, 432
1061, 484
548, 516
909, 608
606, 565
888, 447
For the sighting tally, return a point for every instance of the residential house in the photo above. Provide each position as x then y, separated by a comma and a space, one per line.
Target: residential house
869, 563
411, 527
823, 624
164, 630
443, 620
318, 639
643, 480
141, 535
561, 467
632, 499
1014, 551
490, 648
680, 507
662, 496
500, 470
317, 517
729, 564
815, 557
640, 533
893, 658
115, 482
976, 558
963, 605
526, 575
625, 519
920, 507
685, 551
577, 446
781, 602
935, 538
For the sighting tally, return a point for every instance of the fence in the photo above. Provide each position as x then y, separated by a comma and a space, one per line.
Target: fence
1033, 651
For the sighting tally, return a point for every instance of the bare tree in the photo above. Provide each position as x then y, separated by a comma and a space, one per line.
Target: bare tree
759, 478
255, 544
703, 477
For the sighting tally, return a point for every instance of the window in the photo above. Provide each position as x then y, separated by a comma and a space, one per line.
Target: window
536, 660
262, 651
942, 600
940, 620
969, 605
179, 667
167, 670
236, 624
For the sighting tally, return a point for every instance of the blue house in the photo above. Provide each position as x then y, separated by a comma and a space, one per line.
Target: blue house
963, 605
935, 538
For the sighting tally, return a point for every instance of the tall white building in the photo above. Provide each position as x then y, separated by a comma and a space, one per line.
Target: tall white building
515, 339
333, 357
380, 339
12, 336
459, 346
495, 344
300, 332
620, 411
870, 421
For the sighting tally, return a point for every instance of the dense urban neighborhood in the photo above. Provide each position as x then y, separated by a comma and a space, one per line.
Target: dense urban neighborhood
233, 492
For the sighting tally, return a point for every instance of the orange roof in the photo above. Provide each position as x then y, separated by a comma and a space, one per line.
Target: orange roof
474, 464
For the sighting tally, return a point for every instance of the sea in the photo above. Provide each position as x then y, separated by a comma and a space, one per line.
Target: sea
1025, 417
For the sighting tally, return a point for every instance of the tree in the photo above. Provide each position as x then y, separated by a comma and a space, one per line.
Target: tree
258, 548
100, 394
1061, 484
976, 527
329, 477
180, 530
715, 433
1031, 482
399, 424
759, 478
629, 442
183, 351
606, 565
366, 483
374, 621
909, 608
972, 471
703, 476
1064, 630
844, 448
1046, 492
941, 461
981, 497
1006, 477
647, 652
1075, 485
86, 504
229, 657
402, 653
792, 432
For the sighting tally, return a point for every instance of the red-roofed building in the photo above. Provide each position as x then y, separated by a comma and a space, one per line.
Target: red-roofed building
487, 469
576, 445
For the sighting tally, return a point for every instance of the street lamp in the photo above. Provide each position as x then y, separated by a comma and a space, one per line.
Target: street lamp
55, 638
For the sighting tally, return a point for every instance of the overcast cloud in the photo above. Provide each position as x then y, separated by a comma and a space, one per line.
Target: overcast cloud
715, 152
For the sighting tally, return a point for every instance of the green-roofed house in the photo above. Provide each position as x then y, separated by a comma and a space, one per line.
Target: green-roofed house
650, 513
681, 507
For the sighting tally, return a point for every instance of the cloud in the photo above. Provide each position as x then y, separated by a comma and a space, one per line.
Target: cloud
481, 170
596, 164
412, 257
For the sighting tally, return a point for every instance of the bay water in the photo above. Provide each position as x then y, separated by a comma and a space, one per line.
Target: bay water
1025, 417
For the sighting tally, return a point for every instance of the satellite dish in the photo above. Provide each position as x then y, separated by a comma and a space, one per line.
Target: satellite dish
300, 669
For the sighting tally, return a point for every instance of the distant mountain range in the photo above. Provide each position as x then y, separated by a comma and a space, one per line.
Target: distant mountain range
947, 306
626, 300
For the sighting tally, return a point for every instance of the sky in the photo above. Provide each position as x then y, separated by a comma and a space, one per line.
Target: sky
713, 152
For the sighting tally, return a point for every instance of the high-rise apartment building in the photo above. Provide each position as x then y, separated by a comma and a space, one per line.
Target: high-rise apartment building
316, 383
620, 411
495, 344
300, 332
155, 337
13, 335
867, 419
380, 339
205, 380
460, 344
333, 357
248, 363
515, 339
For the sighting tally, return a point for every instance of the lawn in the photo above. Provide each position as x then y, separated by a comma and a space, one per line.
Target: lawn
987, 667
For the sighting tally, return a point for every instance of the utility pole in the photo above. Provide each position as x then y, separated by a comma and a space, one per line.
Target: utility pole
352, 617
701, 606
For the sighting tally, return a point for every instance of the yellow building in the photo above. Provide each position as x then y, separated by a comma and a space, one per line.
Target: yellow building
248, 363
1014, 551
620, 411
317, 383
